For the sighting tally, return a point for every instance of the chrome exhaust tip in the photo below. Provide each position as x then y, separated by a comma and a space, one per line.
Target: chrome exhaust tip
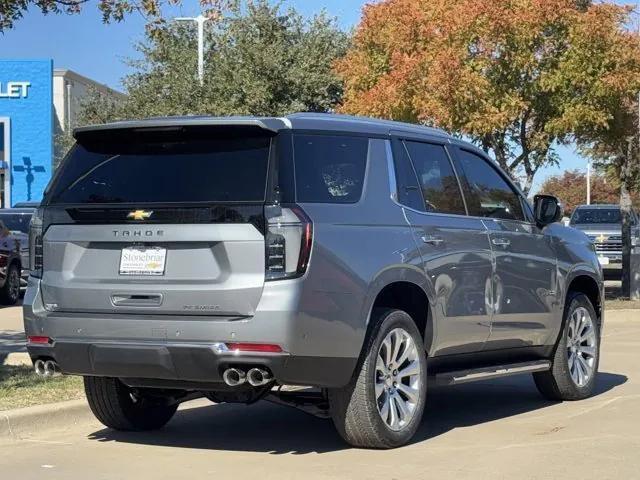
38, 367
234, 377
50, 368
258, 377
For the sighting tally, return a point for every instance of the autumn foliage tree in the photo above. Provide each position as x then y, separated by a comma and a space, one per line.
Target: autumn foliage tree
515, 77
571, 188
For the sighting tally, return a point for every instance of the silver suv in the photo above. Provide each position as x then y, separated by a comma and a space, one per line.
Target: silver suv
246, 258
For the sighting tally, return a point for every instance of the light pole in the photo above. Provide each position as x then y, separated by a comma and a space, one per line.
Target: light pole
588, 182
200, 21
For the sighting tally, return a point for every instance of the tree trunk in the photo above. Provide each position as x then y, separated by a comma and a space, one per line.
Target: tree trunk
626, 183
625, 208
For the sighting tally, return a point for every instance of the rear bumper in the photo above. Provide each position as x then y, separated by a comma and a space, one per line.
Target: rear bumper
182, 349
196, 365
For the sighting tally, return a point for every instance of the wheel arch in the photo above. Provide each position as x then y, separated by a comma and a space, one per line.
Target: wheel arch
404, 289
583, 282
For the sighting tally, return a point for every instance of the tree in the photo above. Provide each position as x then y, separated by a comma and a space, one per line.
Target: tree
507, 75
571, 188
603, 110
112, 10
260, 60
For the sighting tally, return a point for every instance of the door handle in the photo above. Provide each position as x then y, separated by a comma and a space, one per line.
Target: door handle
432, 239
501, 242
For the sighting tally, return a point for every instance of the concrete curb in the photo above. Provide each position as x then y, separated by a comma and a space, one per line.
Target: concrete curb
23, 422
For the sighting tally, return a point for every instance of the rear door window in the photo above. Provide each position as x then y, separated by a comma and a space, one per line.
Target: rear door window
488, 193
197, 169
329, 168
436, 177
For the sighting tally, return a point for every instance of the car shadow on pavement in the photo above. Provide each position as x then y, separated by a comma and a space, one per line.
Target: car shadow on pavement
265, 427
482, 402
17, 304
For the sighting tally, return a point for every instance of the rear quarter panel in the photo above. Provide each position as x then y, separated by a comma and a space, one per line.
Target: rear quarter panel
358, 249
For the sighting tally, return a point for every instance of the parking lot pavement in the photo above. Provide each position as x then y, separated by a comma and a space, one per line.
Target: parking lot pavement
12, 339
497, 429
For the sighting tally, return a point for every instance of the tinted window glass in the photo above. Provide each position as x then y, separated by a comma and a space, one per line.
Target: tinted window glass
329, 169
437, 180
406, 180
489, 194
16, 222
197, 170
596, 215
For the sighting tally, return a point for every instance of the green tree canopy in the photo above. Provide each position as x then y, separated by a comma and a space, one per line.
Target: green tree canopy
259, 60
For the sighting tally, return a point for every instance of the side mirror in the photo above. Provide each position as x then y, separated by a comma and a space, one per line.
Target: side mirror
547, 209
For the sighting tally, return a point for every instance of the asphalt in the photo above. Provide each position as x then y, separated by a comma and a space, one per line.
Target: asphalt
497, 429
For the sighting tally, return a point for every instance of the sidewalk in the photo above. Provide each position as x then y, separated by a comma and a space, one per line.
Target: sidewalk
13, 350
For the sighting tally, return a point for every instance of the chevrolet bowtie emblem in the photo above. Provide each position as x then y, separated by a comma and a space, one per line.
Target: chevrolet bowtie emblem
602, 238
139, 214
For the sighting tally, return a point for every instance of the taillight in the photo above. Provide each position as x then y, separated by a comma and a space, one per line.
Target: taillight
288, 242
38, 339
35, 244
254, 347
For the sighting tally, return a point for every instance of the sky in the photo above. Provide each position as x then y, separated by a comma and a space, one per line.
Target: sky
84, 44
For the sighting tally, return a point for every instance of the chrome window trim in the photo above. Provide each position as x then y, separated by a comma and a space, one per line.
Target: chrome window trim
393, 189
391, 169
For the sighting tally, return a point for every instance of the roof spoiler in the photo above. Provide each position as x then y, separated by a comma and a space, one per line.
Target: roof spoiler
268, 125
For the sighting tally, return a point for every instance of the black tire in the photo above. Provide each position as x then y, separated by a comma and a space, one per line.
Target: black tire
10, 291
557, 383
354, 408
114, 404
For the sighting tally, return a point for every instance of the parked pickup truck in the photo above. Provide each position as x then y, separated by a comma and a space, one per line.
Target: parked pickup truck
603, 225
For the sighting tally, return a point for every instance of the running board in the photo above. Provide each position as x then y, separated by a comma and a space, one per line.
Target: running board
487, 373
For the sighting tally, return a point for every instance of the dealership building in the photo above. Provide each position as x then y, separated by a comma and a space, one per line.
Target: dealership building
37, 102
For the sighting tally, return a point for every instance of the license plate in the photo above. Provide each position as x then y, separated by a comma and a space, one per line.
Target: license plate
603, 260
142, 261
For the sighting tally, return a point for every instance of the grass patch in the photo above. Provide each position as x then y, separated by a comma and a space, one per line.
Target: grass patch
21, 387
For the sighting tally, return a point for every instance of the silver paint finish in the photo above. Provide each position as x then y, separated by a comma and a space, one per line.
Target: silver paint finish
358, 249
220, 267
457, 261
526, 300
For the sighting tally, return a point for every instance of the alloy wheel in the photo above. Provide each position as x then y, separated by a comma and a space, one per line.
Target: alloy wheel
582, 346
398, 375
14, 284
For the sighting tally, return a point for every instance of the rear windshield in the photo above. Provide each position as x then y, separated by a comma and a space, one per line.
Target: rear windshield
163, 169
596, 215
329, 169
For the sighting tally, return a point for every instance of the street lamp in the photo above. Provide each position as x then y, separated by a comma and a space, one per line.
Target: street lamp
200, 21
588, 182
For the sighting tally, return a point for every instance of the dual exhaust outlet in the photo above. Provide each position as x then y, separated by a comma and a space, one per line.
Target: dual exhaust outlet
256, 377
45, 368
